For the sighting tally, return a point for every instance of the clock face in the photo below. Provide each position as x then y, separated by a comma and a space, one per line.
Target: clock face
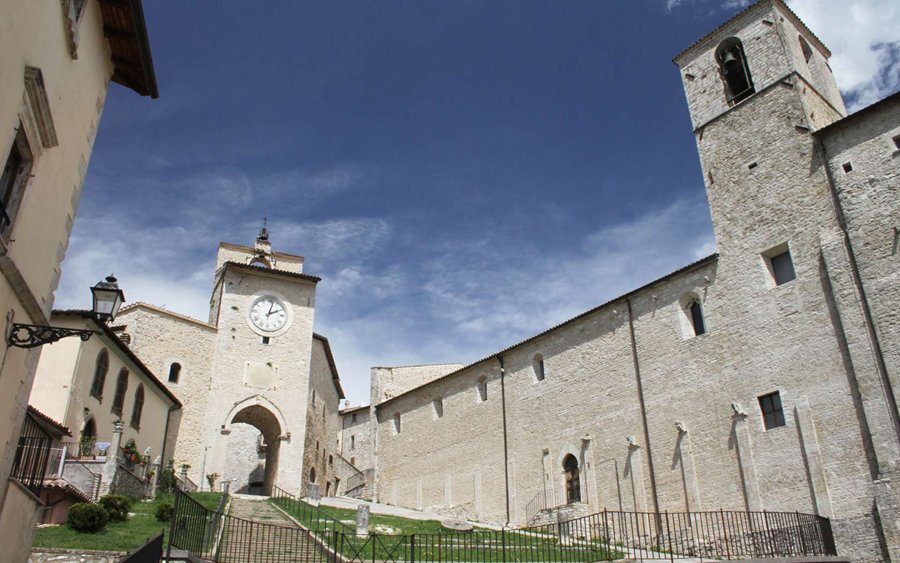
268, 313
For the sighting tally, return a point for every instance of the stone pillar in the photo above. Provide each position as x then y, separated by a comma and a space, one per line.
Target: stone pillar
108, 473
810, 443
156, 468
312, 494
635, 467
184, 477
688, 472
745, 459
362, 521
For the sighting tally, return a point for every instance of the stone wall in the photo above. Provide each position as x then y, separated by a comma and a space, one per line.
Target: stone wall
356, 438
322, 425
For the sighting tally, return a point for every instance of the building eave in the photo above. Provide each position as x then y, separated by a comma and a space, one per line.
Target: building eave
335, 378
126, 31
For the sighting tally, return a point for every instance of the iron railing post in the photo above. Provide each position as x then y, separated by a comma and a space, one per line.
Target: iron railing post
412, 548
724, 534
669, 538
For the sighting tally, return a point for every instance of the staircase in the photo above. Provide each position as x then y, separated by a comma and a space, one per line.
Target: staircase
258, 532
557, 514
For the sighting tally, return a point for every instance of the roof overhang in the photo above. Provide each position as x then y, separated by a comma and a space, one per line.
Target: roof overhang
125, 29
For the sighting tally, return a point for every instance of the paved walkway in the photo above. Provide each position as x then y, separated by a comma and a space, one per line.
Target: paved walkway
389, 510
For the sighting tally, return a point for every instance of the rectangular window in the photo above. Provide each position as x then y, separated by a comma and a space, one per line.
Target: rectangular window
482, 389
16, 172
438, 407
780, 264
773, 415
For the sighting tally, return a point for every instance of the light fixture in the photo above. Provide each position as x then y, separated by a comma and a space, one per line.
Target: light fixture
107, 298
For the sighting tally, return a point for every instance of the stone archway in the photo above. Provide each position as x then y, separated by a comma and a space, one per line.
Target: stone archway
254, 430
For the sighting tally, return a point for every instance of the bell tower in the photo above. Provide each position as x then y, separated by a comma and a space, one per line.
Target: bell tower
757, 88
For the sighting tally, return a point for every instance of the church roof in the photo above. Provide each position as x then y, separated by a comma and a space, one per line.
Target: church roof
872, 108
144, 305
781, 4
114, 338
264, 270
252, 249
335, 378
702, 262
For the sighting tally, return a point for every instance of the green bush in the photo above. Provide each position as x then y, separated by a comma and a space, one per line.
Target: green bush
87, 517
117, 506
164, 512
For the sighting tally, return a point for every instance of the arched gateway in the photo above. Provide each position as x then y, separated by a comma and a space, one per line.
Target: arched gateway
253, 432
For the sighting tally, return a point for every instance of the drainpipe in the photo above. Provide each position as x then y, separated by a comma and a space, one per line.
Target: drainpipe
857, 282
640, 390
505, 440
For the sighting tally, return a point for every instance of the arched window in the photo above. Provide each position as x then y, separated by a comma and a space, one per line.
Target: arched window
804, 46
482, 389
138, 407
312, 474
174, 372
438, 404
330, 460
734, 70
696, 313
261, 262
121, 387
573, 482
538, 365
100, 369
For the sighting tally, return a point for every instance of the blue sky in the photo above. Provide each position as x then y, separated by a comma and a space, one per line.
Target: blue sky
462, 175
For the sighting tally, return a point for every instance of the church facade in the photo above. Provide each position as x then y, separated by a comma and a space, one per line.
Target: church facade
762, 377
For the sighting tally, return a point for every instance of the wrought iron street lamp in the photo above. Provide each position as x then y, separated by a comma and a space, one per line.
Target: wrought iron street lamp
107, 298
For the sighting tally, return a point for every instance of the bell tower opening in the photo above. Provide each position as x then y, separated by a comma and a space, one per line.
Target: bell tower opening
734, 71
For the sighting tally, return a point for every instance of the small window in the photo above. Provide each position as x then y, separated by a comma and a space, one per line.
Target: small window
482, 389
100, 369
773, 415
352, 461
331, 460
438, 405
848, 167
782, 267
174, 372
396, 423
138, 408
353, 418
317, 445
16, 173
312, 474
896, 142
121, 388
265, 339
804, 46
314, 403
352, 443
697, 322
537, 365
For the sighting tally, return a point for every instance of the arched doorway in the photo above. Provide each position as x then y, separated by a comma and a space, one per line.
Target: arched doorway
573, 482
251, 454
88, 439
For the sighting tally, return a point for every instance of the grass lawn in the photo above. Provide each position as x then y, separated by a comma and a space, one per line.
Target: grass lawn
427, 540
118, 536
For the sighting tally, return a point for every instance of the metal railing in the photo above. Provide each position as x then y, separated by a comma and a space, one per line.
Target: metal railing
312, 517
150, 552
604, 536
544, 500
707, 535
32, 455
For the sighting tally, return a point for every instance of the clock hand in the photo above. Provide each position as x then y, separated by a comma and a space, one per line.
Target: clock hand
270, 308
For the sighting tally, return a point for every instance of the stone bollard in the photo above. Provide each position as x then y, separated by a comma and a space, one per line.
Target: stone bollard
362, 521
312, 494
108, 472
184, 471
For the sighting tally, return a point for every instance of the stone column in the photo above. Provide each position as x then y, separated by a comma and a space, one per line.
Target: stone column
156, 468
362, 521
745, 459
635, 466
184, 477
688, 472
108, 473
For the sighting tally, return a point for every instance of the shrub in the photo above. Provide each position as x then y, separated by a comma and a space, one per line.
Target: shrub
87, 517
117, 506
164, 512
166, 481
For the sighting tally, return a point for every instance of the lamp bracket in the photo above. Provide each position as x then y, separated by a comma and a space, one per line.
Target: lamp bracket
32, 336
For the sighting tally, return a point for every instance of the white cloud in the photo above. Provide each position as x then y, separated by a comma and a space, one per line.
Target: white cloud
864, 38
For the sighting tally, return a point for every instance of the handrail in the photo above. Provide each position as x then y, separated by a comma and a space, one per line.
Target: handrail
312, 517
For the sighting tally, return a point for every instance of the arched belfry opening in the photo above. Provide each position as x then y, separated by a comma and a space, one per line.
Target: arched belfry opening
251, 455
572, 479
734, 70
